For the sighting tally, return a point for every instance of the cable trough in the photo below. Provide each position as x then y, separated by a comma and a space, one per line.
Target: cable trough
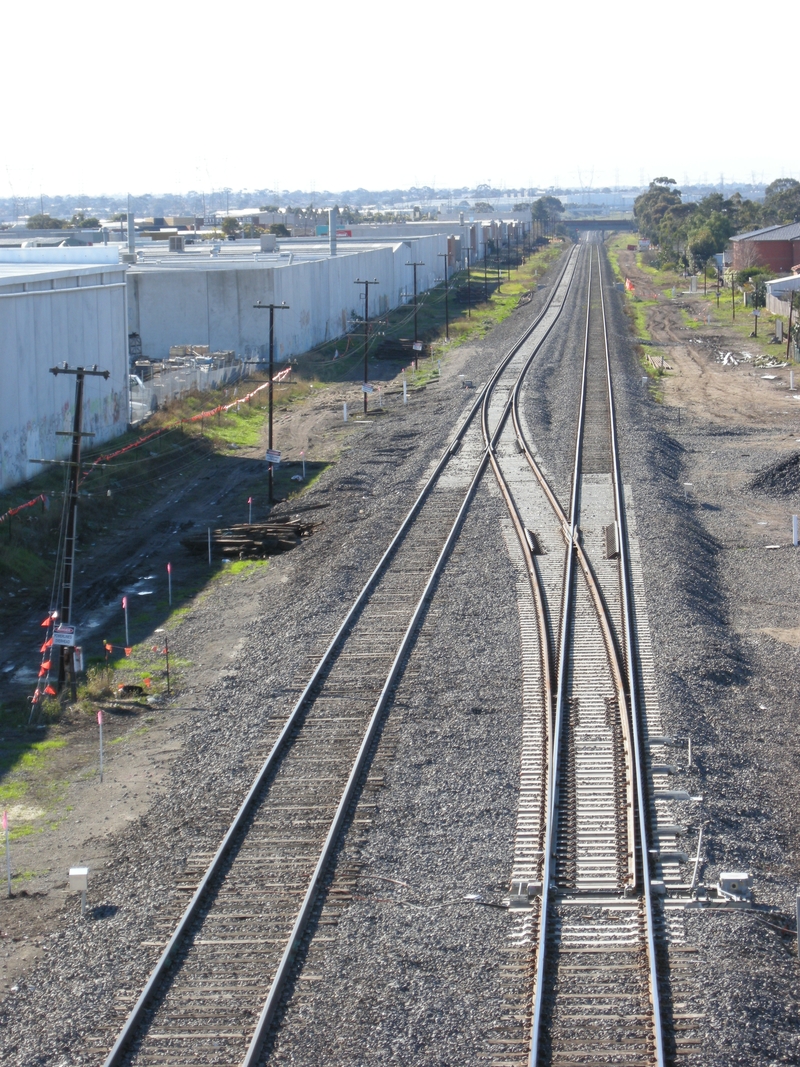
217, 988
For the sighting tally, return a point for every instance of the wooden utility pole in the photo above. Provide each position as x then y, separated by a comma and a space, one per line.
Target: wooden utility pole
445, 255
65, 600
280, 307
366, 328
469, 285
416, 338
789, 331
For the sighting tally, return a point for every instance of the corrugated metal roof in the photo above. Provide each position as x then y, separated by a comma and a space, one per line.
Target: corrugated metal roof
200, 258
22, 273
790, 232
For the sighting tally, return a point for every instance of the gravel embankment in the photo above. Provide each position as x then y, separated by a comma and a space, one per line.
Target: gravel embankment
711, 588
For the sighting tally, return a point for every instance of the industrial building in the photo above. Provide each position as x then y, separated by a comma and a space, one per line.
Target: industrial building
206, 295
58, 305
82, 306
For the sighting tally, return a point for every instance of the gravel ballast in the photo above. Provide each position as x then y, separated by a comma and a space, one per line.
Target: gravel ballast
412, 973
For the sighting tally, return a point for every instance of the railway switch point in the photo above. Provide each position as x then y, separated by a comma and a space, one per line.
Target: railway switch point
534, 544
737, 885
611, 534
522, 891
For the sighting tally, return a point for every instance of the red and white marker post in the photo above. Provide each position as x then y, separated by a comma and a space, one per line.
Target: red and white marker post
125, 609
169, 581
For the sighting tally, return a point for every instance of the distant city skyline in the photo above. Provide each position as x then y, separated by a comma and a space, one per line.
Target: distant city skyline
531, 97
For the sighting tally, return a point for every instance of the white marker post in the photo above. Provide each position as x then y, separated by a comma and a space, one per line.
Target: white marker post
345, 412
304, 465
686, 487
405, 390
8, 854
169, 582
100, 724
79, 883
795, 531
125, 609
791, 380
209, 546
249, 511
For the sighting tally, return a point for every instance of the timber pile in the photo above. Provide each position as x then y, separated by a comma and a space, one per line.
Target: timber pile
401, 348
251, 540
657, 363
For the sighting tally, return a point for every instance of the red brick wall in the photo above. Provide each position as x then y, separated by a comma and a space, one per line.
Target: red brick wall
777, 255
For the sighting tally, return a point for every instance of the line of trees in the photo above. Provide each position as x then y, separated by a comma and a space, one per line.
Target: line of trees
689, 234
48, 222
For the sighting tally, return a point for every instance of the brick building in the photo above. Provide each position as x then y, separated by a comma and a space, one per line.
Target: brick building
776, 247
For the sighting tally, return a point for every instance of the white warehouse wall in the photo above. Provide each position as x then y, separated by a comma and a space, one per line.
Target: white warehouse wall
211, 302
51, 313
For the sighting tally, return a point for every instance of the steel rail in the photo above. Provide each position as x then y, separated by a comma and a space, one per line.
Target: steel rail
534, 578
272, 1002
167, 957
575, 550
629, 616
606, 627
552, 770
279, 981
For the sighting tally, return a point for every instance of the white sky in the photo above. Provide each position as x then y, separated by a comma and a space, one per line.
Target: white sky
172, 96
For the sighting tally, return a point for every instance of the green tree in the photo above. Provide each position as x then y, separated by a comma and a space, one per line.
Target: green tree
279, 229
545, 211
80, 222
651, 207
230, 226
702, 246
781, 202
481, 205
44, 222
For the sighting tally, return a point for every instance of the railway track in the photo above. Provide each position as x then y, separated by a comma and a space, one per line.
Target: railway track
584, 802
217, 987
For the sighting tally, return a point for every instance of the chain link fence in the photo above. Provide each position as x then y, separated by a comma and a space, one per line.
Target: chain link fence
154, 384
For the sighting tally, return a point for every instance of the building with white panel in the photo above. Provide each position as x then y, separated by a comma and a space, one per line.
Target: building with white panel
59, 305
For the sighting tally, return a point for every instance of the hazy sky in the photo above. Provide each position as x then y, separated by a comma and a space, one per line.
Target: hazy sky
172, 96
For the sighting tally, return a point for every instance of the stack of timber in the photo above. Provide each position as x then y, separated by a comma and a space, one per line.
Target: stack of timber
401, 348
476, 291
250, 540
